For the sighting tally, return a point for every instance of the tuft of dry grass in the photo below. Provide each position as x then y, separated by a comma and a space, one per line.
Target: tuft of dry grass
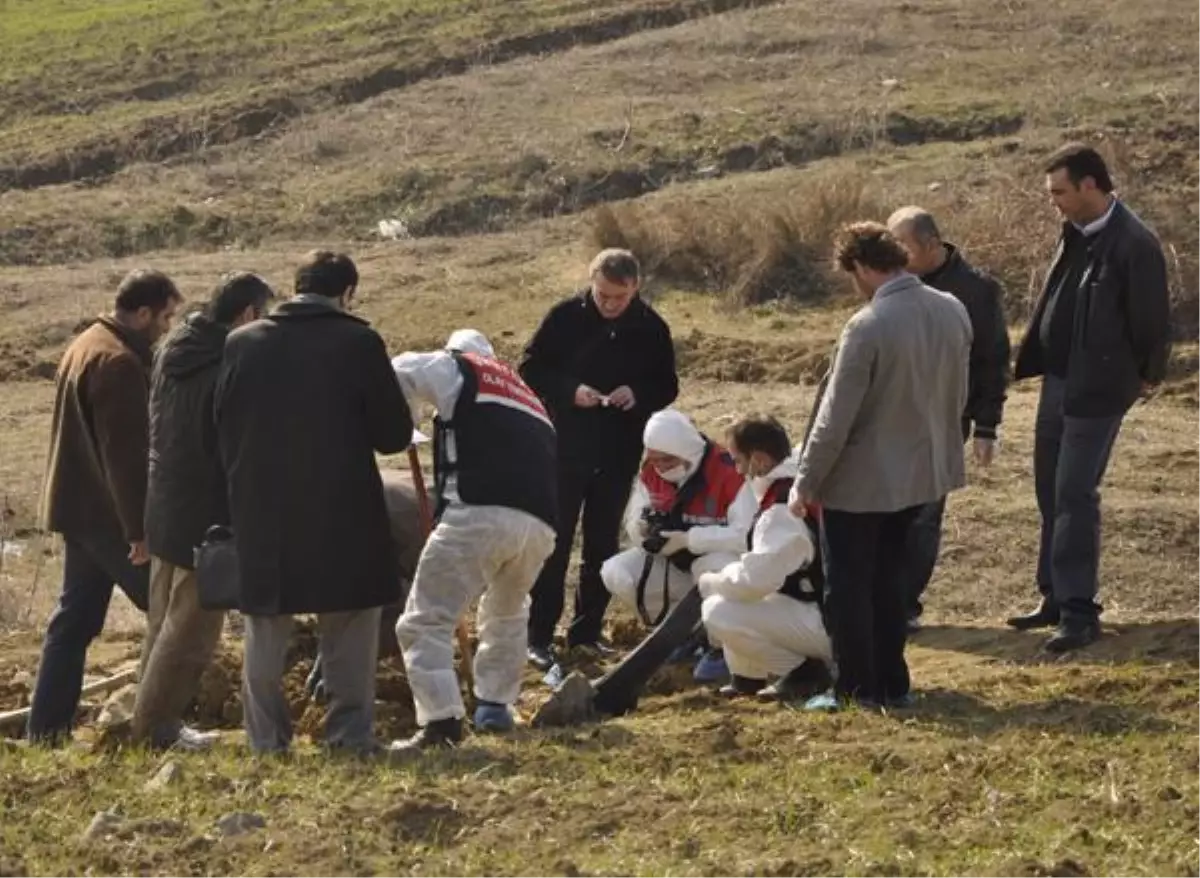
749, 251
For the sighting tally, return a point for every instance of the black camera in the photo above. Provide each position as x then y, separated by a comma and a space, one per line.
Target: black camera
656, 523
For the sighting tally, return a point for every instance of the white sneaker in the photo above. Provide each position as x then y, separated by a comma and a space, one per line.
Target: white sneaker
194, 740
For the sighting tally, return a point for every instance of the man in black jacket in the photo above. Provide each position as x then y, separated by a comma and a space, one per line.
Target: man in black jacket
1100, 337
602, 361
942, 266
304, 399
185, 494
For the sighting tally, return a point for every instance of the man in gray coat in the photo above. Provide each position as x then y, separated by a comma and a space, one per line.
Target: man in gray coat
887, 439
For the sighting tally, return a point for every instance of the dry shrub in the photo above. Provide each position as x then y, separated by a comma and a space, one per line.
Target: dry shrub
741, 245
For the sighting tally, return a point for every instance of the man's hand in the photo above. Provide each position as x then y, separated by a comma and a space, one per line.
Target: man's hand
587, 397
139, 555
798, 503
676, 541
985, 450
622, 398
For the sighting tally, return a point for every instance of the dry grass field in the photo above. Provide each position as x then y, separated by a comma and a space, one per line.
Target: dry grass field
723, 140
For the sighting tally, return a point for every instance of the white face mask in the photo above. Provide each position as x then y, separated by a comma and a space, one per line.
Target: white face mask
760, 484
675, 475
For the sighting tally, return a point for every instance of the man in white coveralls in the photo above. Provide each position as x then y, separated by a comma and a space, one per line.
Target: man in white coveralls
494, 472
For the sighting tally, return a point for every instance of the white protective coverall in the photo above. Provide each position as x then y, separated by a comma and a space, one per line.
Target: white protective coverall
762, 631
671, 432
493, 550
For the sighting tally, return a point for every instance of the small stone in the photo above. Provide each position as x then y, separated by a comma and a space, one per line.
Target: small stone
1169, 794
151, 826
889, 84
570, 704
164, 777
934, 187
197, 844
240, 822
104, 823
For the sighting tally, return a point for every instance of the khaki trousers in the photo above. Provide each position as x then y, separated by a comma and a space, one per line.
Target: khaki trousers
181, 639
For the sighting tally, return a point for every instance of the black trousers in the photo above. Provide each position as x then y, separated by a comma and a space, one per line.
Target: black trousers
866, 601
91, 569
601, 491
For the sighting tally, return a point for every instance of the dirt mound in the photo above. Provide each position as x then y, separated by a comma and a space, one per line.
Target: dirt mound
218, 703
702, 356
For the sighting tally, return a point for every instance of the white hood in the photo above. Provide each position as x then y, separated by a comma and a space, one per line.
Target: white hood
672, 432
470, 341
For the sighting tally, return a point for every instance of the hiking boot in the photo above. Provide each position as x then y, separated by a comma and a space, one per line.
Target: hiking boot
493, 717
1045, 616
1072, 634
739, 686
711, 668
808, 678
441, 734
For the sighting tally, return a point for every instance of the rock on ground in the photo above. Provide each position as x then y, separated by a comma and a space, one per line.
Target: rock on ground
571, 704
240, 822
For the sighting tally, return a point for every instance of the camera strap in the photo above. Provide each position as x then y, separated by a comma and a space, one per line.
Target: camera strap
682, 559
643, 580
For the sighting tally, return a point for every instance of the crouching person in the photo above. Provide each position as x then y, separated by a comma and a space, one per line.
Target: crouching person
765, 608
689, 514
494, 470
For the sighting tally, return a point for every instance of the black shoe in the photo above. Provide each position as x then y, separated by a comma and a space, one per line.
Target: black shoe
1074, 634
601, 648
541, 657
441, 734
739, 686
809, 678
1045, 616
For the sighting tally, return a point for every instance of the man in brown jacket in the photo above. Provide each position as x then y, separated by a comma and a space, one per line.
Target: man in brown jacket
95, 490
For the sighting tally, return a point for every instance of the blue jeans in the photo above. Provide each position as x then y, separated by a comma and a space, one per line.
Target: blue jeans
1069, 460
90, 570
923, 544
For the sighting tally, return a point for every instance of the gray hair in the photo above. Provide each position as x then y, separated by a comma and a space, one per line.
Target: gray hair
616, 264
918, 219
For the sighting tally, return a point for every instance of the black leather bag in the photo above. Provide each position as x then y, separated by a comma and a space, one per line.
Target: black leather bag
217, 582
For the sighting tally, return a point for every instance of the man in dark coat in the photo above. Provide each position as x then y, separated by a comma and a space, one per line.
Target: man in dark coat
185, 495
304, 399
1100, 337
95, 489
603, 362
942, 266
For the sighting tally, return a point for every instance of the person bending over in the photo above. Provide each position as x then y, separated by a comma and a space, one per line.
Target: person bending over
765, 607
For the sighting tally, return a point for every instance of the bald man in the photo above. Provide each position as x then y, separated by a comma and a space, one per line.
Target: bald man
941, 265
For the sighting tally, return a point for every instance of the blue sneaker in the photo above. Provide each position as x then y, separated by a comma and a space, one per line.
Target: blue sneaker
492, 717
826, 702
711, 668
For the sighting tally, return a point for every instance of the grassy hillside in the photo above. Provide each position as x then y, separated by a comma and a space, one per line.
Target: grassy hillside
723, 140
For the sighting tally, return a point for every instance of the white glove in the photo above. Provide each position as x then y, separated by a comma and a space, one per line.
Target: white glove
706, 582
676, 541
642, 528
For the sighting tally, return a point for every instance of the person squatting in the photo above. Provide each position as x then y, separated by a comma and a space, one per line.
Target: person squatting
783, 570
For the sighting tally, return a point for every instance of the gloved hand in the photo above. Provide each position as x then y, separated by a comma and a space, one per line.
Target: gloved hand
706, 582
642, 529
676, 541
